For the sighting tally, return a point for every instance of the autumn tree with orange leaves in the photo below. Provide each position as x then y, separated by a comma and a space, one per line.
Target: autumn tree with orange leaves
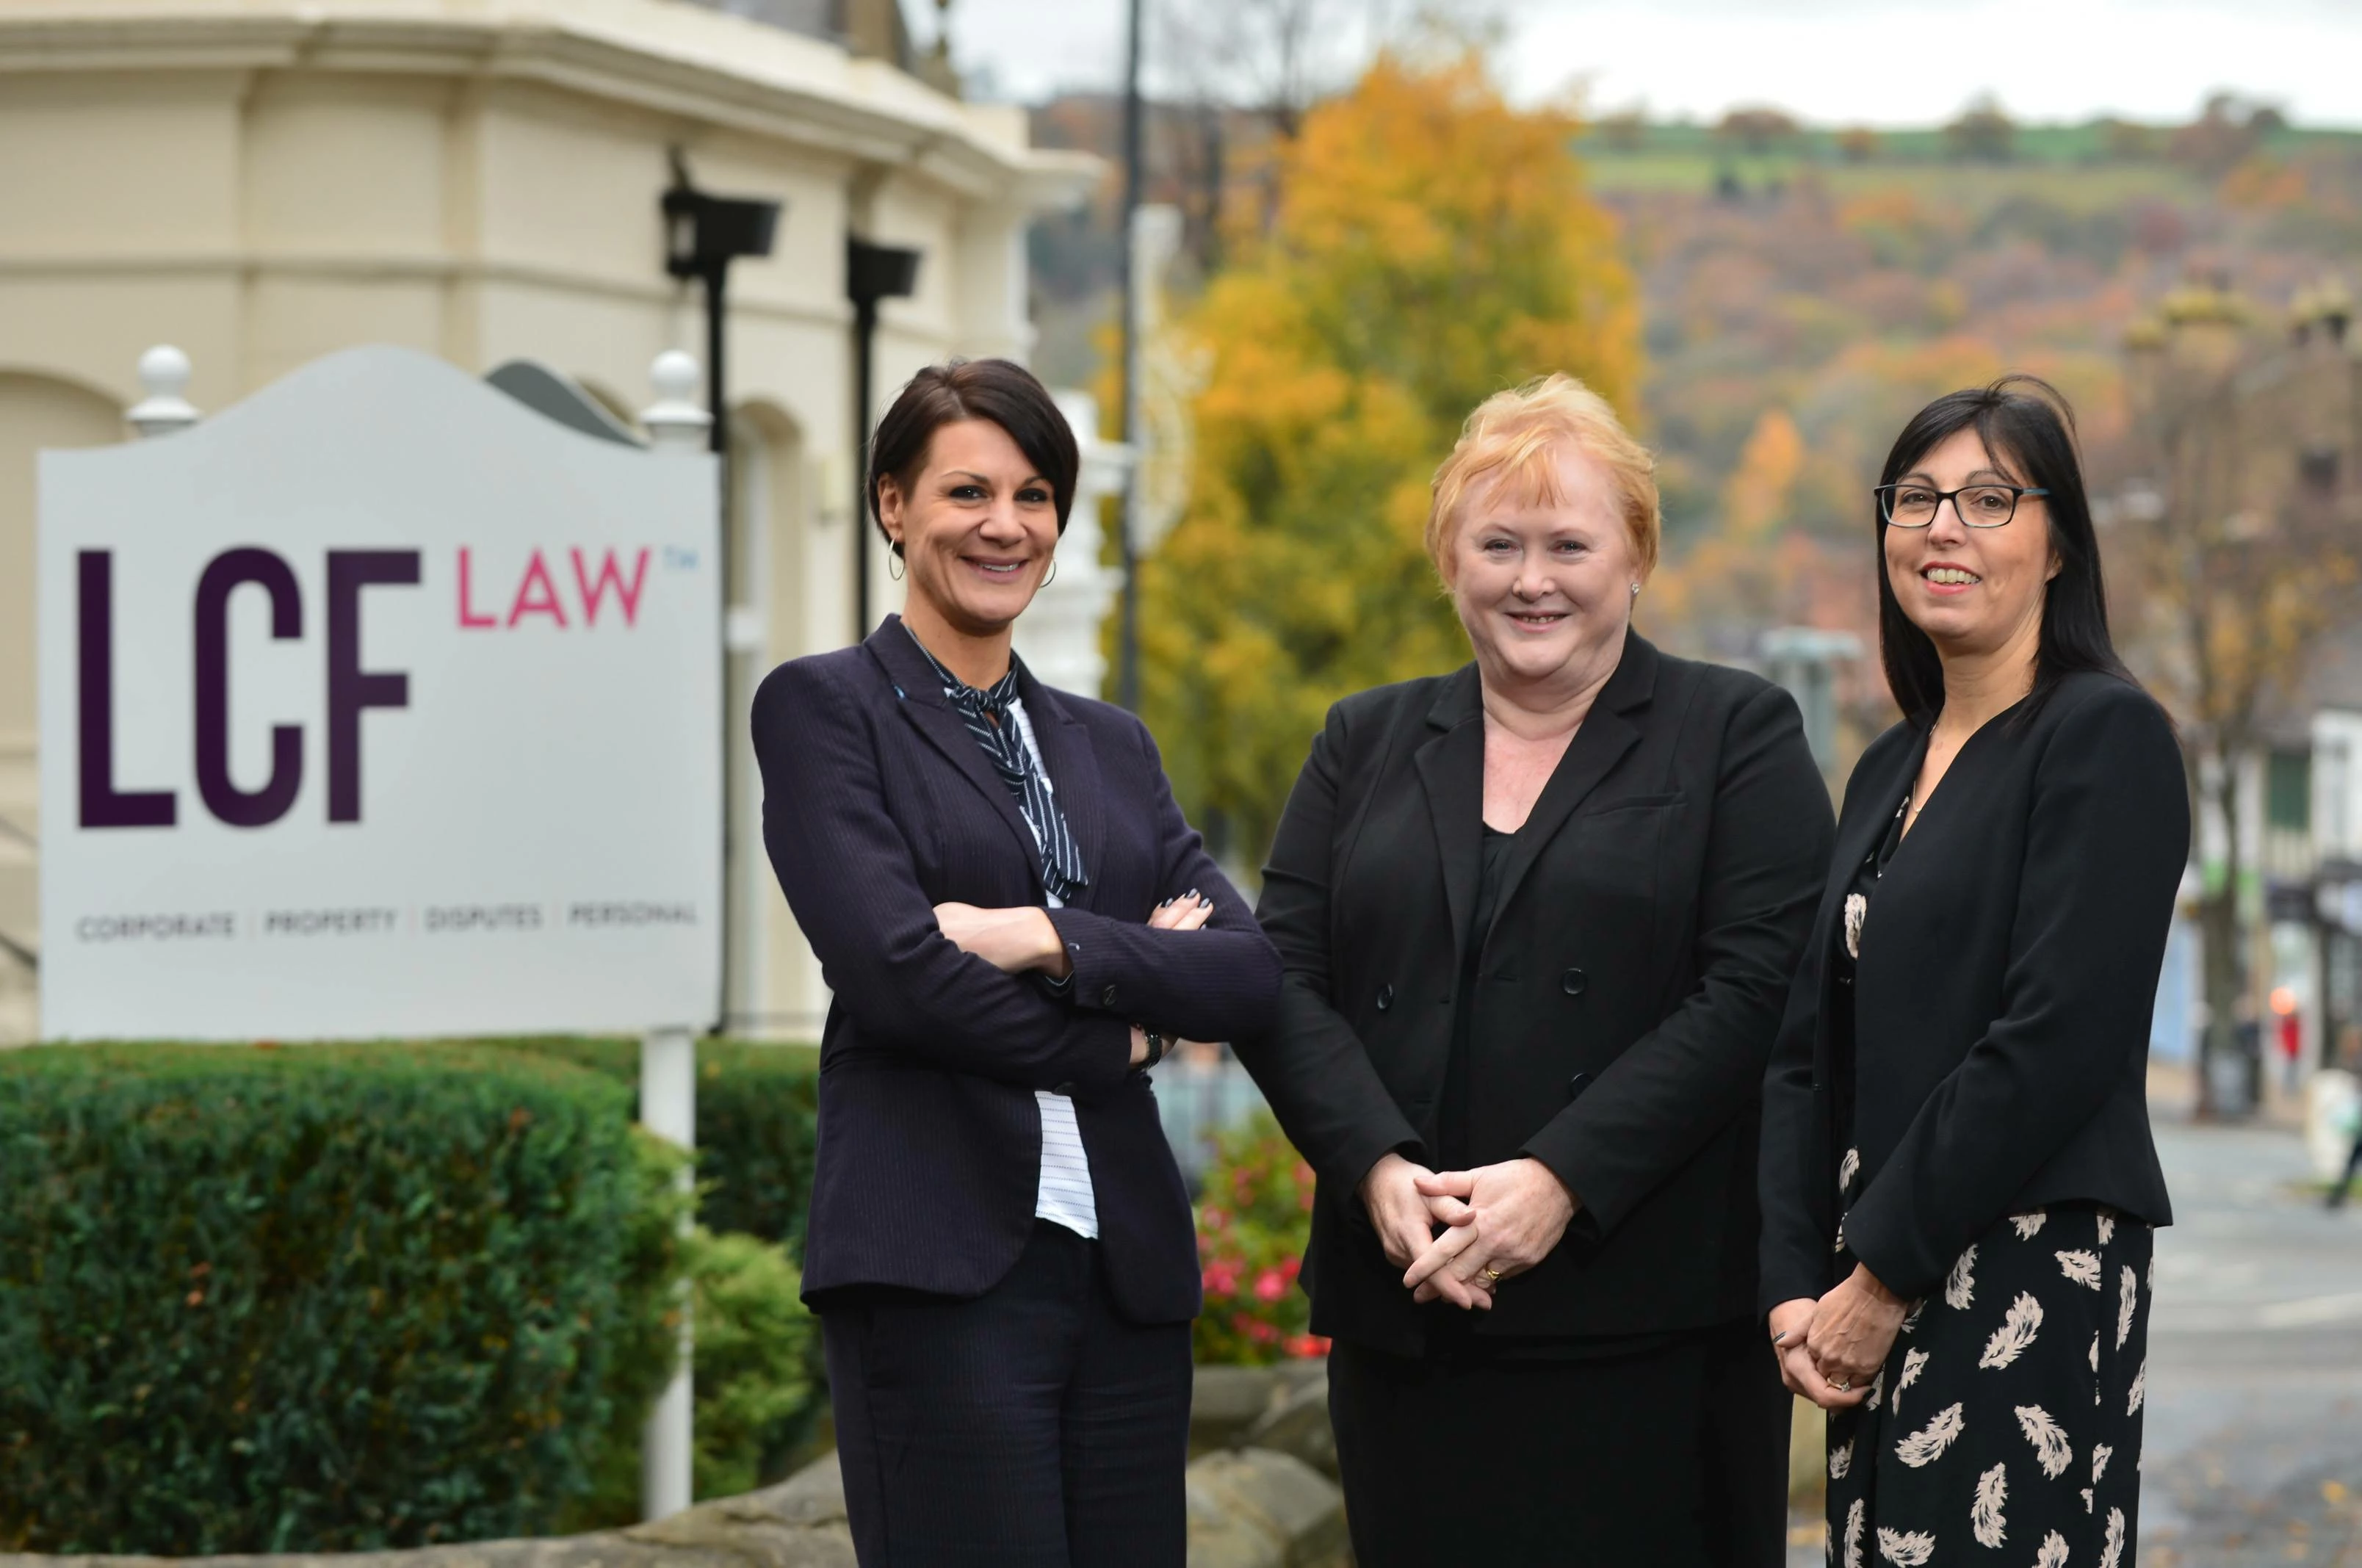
1430, 245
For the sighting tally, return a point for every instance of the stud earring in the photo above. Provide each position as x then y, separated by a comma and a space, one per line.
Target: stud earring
1636, 591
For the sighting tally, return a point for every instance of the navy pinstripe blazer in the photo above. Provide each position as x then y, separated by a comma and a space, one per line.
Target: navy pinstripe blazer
878, 804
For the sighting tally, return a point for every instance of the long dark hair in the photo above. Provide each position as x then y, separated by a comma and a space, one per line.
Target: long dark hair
2029, 433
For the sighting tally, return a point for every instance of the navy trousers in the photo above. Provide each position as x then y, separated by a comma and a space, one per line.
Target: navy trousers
1030, 1426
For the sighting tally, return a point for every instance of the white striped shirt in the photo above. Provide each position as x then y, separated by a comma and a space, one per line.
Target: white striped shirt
1064, 1196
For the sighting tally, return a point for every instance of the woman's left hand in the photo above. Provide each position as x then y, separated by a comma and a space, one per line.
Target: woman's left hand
1516, 1212
1853, 1330
1012, 941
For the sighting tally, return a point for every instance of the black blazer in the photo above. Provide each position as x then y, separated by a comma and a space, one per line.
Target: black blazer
1630, 984
878, 804
2007, 973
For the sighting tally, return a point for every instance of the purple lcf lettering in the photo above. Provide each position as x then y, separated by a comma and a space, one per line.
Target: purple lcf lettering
351, 688
225, 573
102, 805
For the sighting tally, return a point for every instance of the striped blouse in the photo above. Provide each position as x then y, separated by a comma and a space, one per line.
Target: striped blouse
1064, 1196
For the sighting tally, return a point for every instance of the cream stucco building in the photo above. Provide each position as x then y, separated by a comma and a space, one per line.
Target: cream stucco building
262, 182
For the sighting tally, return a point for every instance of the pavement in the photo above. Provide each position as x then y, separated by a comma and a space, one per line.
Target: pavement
2252, 1453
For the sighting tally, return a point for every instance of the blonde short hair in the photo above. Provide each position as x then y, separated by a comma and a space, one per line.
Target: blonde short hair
1514, 440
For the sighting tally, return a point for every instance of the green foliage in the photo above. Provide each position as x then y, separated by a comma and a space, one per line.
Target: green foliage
757, 1387
760, 1377
756, 1110
1255, 1217
757, 1350
318, 1299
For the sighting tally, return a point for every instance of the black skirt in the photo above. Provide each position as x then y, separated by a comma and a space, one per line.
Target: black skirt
1674, 1456
2008, 1415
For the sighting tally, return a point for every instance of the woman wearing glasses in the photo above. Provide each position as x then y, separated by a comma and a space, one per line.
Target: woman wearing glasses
1957, 1179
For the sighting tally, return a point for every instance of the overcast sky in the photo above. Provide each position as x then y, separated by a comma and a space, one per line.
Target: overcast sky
1837, 62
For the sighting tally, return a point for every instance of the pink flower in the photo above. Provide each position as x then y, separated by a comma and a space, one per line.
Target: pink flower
1270, 1284
1222, 1277
1308, 1347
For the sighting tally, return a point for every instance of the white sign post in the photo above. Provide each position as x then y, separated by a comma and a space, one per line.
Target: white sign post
379, 706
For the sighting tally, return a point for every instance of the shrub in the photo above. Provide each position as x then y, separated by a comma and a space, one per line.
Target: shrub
755, 1399
322, 1299
1255, 1217
756, 1110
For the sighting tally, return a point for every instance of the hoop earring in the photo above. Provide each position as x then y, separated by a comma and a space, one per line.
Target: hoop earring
894, 567
1050, 576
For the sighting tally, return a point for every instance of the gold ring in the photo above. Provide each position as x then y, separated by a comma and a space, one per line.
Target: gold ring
1493, 1275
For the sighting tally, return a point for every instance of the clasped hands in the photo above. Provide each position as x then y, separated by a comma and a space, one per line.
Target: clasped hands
1830, 1349
1497, 1222
1015, 940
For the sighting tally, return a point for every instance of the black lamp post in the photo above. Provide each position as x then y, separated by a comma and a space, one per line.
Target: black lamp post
704, 234
872, 273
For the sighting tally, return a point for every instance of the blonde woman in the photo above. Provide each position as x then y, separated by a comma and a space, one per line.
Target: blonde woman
1538, 919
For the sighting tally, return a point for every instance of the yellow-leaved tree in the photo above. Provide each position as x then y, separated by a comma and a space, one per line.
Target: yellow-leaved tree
1430, 245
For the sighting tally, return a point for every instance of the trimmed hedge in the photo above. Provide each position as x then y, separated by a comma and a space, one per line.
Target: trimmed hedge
322, 1298
757, 1110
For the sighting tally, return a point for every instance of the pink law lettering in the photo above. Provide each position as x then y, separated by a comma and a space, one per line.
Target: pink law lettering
538, 600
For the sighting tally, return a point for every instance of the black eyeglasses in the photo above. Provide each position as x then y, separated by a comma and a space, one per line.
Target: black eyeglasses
1976, 505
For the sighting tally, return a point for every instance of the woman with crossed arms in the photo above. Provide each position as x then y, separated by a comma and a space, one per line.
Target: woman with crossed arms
1012, 916
1538, 917
1958, 1183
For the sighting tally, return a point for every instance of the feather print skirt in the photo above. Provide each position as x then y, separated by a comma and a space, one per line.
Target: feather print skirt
2005, 1426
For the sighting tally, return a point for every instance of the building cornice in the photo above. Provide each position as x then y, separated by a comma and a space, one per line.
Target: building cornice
696, 65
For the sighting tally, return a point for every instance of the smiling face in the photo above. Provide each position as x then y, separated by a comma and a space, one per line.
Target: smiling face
1545, 589
979, 526
1972, 591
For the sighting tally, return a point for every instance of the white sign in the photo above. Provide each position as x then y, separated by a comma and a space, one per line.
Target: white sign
378, 705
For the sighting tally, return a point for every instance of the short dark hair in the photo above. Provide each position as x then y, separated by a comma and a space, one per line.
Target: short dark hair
1001, 391
2028, 430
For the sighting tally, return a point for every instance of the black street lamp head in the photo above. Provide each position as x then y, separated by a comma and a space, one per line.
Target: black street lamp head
874, 272
704, 234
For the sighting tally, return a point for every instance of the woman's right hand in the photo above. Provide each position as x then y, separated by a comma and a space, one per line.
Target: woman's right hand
1790, 1326
1399, 1210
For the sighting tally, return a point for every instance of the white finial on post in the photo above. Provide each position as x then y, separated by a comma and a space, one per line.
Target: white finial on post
163, 376
674, 422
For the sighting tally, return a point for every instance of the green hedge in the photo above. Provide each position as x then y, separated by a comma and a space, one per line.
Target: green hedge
323, 1297
756, 1110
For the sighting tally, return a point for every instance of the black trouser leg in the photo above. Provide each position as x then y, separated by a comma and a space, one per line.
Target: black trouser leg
956, 1421
1125, 1434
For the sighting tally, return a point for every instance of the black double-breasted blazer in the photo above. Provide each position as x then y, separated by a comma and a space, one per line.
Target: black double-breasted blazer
878, 805
1629, 988
2002, 999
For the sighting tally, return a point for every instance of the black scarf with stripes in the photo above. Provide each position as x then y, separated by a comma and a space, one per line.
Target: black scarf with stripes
990, 720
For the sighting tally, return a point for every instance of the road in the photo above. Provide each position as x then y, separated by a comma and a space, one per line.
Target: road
2253, 1448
